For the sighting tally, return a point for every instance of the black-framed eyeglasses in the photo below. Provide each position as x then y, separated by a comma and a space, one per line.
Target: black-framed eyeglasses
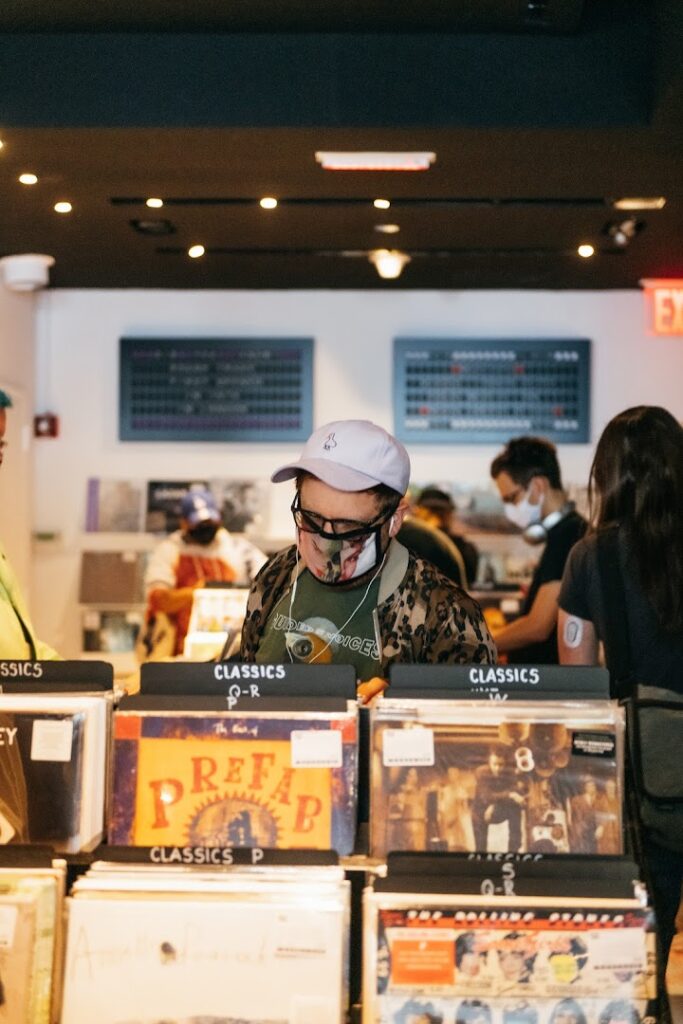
339, 529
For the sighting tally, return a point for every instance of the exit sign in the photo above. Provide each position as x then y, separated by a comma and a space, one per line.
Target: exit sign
664, 301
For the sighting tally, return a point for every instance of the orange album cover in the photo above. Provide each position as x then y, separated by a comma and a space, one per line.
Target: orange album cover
225, 779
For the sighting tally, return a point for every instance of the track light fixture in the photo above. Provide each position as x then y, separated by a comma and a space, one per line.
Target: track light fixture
388, 263
621, 232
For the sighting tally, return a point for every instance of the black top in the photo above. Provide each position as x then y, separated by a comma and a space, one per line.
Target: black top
434, 546
470, 555
561, 539
657, 657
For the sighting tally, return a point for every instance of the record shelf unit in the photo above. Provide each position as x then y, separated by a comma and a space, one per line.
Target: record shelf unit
496, 796
540, 883
452, 938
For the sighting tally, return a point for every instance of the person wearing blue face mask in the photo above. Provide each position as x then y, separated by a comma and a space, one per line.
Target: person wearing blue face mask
347, 592
202, 551
527, 475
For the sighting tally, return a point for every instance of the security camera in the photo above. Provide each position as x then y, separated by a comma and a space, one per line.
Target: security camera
26, 272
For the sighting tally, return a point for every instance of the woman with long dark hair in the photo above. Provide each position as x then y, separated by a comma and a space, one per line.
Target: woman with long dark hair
623, 586
636, 489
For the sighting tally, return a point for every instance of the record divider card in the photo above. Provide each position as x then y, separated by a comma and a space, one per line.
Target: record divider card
510, 874
53, 677
498, 682
248, 684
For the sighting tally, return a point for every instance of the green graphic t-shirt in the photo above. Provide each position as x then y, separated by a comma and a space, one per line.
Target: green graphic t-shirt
324, 626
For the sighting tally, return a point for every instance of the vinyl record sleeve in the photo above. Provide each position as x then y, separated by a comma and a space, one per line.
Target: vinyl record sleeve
277, 961
478, 962
496, 777
230, 779
218, 609
53, 769
17, 951
30, 943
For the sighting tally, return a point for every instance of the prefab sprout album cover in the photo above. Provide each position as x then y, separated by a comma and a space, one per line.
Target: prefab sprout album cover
284, 780
539, 777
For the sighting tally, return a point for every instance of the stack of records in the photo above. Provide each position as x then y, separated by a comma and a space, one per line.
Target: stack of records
447, 959
31, 904
53, 753
229, 946
506, 777
188, 774
216, 619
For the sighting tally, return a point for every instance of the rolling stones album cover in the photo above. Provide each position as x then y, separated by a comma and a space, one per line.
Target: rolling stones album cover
538, 777
578, 962
226, 779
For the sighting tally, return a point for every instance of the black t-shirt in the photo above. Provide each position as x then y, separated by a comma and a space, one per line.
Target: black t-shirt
470, 555
657, 657
561, 539
434, 546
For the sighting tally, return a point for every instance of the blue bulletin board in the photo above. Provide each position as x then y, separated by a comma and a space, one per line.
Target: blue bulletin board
216, 389
471, 391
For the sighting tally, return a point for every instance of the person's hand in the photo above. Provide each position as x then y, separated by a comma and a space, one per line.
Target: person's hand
371, 688
488, 814
518, 798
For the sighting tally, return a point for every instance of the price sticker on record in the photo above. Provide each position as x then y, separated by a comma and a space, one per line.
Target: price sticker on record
316, 748
408, 747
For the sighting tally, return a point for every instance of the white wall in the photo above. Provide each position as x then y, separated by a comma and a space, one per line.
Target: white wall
17, 378
78, 334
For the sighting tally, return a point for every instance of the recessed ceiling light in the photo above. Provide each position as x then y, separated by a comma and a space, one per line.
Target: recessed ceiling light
382, 204
195, 251
387, 229
154, 204
28, 179
640, 203
585, 251
268, 203
374, 161
1, 144
63, 207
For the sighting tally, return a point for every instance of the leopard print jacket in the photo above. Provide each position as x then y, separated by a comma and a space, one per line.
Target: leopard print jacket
423, 617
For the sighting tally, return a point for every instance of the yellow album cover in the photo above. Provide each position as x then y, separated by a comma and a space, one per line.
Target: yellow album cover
226, 779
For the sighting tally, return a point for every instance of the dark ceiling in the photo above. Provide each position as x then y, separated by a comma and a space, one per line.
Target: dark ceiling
540, 113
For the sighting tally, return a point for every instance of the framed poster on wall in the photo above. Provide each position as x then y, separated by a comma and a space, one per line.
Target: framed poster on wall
470, 391
215, 389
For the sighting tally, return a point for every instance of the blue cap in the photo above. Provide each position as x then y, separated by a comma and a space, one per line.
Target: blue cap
199, 506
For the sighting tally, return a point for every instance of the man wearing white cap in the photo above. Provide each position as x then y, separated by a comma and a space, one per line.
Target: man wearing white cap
347, 591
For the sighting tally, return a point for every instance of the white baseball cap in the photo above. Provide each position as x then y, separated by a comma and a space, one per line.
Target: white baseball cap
351, 455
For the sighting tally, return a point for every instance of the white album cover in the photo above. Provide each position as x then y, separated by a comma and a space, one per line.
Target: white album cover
276, 962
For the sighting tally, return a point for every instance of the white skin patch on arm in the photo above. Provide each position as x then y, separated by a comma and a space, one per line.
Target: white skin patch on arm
573, 631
